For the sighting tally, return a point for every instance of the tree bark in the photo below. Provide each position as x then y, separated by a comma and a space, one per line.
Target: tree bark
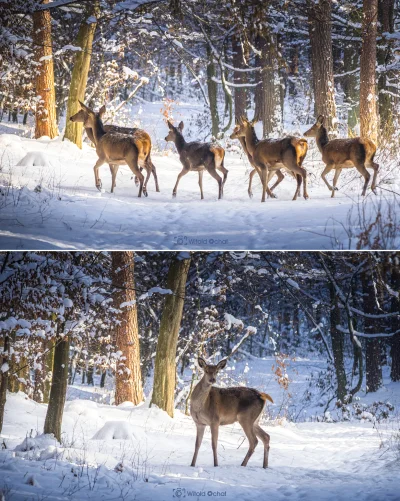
46, 124
212, 94
337, 339
239, 77
165, 363
373, 346
320, 30
73, 130
4, 379
368, 111
128, 384
385, 56
395, 342
58, 391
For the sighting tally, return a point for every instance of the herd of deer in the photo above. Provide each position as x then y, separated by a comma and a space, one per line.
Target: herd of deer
121, 145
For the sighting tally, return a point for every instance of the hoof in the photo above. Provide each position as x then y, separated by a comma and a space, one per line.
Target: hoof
173, 195
336, 189
145, 194
99, 186
250, 195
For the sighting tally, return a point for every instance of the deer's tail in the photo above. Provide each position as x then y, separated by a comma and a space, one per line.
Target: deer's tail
265, 397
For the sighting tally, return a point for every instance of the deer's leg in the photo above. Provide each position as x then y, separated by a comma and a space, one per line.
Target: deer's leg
133, 165
326, 171
375, 167
154, 172
335, 180
182, 173
280, 177
201, 183
298, 187
199, 439
148, 174
304, 176
225, 173
270, 175
367, 176
249, 191
114, 172
218, 178
248, 428
214, 441
265, 438
97, 179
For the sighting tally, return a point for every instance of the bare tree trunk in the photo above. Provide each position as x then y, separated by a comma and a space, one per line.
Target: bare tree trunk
320, 30
4, 379
212, 93
165, 363
128, 379
395, 342
46, 124
239, 77
73, 130
58, 392
368, 112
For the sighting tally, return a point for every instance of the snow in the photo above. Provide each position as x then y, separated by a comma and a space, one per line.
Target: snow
127, 452
50, 200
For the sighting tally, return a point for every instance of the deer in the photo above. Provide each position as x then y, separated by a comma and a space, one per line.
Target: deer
242, 141
270, 155
96, 131
214, 407
341, 154
197, 156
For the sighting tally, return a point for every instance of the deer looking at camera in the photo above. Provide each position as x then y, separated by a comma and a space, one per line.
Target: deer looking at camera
137, 134
340, 154
270, 155
278, 172
115, 148
214, 407
196, 156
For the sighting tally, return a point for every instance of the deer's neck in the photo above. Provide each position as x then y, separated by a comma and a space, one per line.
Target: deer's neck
322, 138
200, 394
90, 134
251, 140
98, 130
245, 149
180, 142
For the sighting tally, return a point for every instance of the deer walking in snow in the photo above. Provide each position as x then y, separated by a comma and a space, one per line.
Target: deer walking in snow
341, 154
214, 407
198, 157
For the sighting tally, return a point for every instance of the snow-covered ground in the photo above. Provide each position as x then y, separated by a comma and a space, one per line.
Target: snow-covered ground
128, 452
56, 205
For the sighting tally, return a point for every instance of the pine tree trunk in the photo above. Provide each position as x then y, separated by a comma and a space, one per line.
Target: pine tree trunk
320, 30
46, 124
73, 130
212, 94
373, 367
368, 111
4, 379
395, 342
58, 391
350, 81
239, 77
128, 384
337, 339
165, 363
385, 57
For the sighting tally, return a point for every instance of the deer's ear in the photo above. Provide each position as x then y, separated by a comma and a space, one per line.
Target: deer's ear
180, 126
170, 125
202, 363
85, 108
221, 364
320, 119
102, 110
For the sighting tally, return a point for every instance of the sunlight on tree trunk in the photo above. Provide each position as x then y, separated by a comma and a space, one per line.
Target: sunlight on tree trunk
73, 130
46, 124
165, 364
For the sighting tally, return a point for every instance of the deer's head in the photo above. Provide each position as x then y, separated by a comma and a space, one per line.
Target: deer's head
210, 371
313, 131
87, 116
242, 127
174, 132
